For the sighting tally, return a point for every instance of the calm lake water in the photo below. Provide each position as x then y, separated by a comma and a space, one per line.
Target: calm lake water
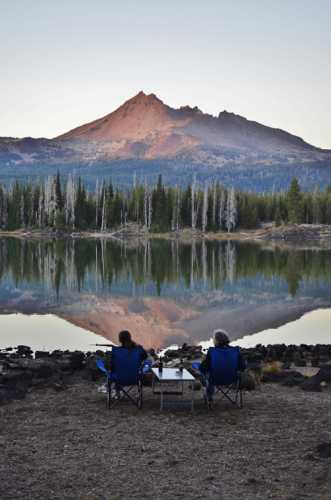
54, 294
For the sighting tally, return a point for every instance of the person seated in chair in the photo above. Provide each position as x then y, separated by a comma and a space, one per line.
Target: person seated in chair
222, 341
125, 339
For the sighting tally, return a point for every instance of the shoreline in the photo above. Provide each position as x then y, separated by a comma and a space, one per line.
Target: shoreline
291, 235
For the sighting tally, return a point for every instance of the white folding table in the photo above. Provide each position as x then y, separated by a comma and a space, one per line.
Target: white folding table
168, 377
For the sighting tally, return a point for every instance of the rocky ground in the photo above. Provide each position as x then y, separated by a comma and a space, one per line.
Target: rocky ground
298, 235
61, 442
68, 445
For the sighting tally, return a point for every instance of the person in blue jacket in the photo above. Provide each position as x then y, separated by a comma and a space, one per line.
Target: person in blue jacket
126, 341
221, 341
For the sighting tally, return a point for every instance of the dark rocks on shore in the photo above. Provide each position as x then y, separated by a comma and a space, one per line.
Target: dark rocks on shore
300, 355
315, 383
295, 233
324, 450
324, 447
21, 372
185, 352
285, 377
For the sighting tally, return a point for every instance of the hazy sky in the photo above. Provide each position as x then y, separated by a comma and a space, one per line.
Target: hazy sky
63, 63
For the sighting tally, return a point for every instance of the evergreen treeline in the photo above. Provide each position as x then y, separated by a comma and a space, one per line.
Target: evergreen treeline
70, 205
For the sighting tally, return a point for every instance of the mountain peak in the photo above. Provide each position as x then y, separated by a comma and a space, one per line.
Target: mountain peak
142, 96
189, 109
156, 129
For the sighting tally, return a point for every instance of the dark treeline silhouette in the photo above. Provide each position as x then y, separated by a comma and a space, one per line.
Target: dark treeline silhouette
70, 205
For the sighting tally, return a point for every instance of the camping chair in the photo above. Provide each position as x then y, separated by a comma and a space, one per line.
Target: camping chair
224, 376
125, 376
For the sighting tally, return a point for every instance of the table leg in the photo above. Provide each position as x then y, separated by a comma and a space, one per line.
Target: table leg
192, 403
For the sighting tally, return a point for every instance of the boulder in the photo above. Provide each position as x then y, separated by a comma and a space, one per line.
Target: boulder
324, 450
14, 385
14, 378
41, 354
294, 378
325, 373
281, 376
248, 381
171, 353
41, 368
24, 350
324, 447
314, 384
77, 359
91, 371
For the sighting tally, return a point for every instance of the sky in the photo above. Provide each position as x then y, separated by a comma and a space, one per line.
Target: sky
64, 63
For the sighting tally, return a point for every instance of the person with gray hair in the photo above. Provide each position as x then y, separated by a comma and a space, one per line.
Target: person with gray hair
221, 338
221, 341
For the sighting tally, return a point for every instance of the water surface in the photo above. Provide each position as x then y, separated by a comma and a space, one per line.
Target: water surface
163, 291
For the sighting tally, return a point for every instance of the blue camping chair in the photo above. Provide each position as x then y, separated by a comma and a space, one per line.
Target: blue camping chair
224, 376
125, 376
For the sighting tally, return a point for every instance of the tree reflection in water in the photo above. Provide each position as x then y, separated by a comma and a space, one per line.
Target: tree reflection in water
153, 267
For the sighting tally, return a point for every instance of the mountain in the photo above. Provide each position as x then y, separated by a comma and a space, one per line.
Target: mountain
146, 127
145, 131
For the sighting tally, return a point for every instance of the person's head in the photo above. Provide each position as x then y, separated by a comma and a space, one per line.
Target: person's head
221, 338
125, 339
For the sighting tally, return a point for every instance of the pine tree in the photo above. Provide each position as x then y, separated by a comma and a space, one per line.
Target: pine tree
58, 193
295, 202
278, 217
316, 206
160, 208
80, 205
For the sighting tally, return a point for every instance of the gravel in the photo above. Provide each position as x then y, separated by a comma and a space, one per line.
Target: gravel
68, 445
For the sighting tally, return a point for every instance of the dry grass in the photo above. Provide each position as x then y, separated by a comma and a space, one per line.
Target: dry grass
273, 367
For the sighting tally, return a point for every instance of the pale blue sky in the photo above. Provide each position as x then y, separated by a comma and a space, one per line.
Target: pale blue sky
64, 63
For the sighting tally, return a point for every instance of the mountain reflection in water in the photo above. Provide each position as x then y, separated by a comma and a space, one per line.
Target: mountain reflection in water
163, 291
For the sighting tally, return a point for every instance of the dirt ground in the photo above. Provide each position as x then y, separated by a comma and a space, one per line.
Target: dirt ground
68, 445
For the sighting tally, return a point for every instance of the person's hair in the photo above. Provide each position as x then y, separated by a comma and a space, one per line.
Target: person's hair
221, 338
125, 339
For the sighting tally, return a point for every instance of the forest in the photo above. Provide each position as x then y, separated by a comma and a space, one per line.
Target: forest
68, 204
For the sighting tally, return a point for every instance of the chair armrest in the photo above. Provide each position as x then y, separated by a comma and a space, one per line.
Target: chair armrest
101, 365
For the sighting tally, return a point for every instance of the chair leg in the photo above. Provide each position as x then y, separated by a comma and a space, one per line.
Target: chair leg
241, 403
109, 395
140, 396
208, 401
139, 400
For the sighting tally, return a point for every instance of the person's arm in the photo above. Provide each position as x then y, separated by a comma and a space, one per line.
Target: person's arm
143, 354
205, 364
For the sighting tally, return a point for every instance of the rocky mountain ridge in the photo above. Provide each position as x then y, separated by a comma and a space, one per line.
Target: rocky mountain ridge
144, 129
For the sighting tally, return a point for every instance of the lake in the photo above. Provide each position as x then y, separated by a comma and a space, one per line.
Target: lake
74, 293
